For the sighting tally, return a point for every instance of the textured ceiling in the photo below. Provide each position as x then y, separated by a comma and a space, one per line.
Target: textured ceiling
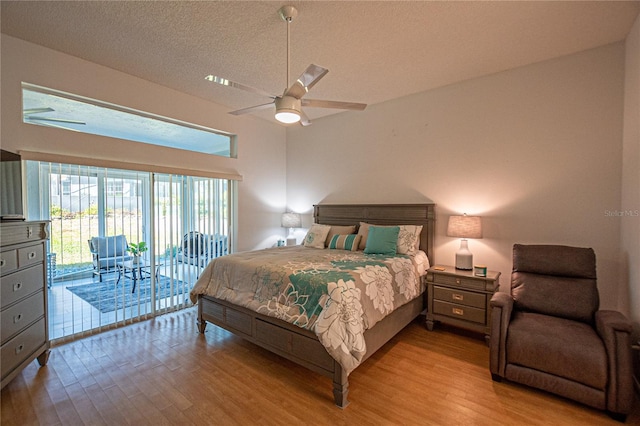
375, 51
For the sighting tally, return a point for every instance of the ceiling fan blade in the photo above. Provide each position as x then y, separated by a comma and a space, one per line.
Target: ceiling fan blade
56, 120
317, 103
252, 109
225, 82
37, 110
306, 81
304, 120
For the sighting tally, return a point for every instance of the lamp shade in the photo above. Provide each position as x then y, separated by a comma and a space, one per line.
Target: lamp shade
291, 220
465, 226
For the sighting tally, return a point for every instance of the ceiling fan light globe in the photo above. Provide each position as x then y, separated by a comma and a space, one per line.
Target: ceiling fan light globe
287, 116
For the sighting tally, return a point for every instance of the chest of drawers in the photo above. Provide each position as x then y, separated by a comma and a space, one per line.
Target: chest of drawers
23, 296
460, 298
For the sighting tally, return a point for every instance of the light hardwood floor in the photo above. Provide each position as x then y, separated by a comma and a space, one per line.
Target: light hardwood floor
163, 372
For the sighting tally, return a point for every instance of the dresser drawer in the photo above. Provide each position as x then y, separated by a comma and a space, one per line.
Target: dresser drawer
458, 281
8, 261
20, 315
24, 232
30, 255
462, 312
22, 346
460, 297
20, 284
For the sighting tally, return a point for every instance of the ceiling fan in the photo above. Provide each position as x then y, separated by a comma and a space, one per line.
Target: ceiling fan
28, 116
289, 104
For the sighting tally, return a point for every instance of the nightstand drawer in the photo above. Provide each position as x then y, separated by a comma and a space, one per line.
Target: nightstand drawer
462, 312
459, 281
460, 297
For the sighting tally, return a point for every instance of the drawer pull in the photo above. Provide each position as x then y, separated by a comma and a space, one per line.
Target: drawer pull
17, 318
17, 287
456, 296
457, 311
2, 262
457, 280
32, 255
19, 348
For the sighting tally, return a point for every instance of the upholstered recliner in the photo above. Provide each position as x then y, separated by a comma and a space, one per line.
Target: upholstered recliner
549, 334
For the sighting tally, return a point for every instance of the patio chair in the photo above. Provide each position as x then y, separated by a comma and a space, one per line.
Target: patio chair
199, 249
107, 252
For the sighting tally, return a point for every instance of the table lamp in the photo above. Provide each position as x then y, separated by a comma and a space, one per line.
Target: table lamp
291, 220
464, 227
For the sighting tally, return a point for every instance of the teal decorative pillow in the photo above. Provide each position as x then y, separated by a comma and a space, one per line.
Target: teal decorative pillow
382, 240
345, 242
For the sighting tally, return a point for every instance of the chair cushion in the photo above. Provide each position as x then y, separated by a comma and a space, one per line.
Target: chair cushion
561, 347
111, 262
194, 243
110, 246
561, 261
571, 298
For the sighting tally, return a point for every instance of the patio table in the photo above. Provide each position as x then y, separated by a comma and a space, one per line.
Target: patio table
136, 270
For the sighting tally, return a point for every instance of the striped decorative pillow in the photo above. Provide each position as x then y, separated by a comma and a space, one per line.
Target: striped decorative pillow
345, 242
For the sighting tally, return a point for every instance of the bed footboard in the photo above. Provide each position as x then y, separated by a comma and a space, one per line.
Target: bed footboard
299, 345
291, 342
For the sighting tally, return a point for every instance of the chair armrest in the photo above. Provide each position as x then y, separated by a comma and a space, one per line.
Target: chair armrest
91, 248
502, 300
501, 308
615, 331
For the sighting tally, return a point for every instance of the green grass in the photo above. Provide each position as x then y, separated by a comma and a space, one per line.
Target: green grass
70, 234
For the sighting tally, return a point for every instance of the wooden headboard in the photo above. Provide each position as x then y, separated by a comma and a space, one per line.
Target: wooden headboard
382, 214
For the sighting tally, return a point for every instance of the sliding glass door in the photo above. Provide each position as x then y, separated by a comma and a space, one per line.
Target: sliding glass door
98, 215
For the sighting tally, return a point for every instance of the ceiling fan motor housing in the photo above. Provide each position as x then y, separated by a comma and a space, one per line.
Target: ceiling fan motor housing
288, 106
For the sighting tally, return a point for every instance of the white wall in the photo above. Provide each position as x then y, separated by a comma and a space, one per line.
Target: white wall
537, 151
630, 225
261, 145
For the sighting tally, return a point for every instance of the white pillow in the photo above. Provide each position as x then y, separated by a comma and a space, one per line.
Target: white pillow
317, 235
409, 239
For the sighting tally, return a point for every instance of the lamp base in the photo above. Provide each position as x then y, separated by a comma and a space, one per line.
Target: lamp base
291, 241
464, 258
464, 261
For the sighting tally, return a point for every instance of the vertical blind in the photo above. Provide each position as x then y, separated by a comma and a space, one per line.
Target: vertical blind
183, 220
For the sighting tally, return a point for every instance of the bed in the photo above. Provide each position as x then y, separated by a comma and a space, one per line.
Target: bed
300, 343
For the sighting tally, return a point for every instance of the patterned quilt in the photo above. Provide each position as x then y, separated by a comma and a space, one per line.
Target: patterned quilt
338, 294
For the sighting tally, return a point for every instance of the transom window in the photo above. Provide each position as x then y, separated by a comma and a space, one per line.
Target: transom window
52, 108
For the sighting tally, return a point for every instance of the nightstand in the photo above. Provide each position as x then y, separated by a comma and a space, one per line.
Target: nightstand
460, 298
